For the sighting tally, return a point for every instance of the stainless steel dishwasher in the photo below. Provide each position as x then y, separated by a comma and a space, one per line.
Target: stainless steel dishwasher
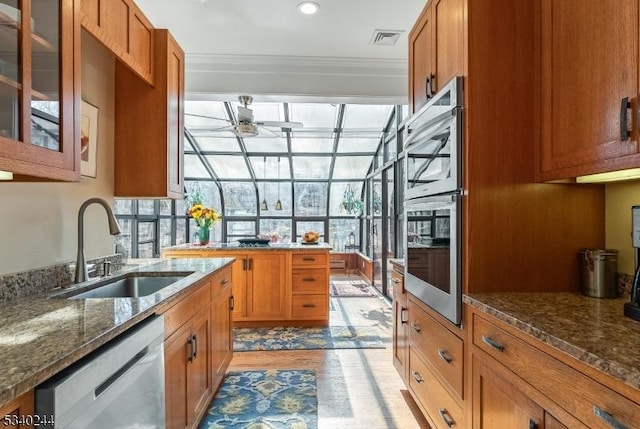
120, 385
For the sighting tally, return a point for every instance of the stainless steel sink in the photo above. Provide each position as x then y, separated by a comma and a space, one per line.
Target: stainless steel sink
129, 285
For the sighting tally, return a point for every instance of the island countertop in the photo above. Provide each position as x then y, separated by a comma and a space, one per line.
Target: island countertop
236, 246
39, 336
591, 330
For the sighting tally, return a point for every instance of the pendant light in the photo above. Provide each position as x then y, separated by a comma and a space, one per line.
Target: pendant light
279, 203
264, 207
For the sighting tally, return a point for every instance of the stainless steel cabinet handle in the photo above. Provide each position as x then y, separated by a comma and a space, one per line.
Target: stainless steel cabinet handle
195, 346
416, 376
608, 418
309, 259
444, 415
308, 305
396, 281
533, 424
224, 281
251, 264
232, 302
402, 319
492, 343
445, 356
308, 279
415, 327
625, 105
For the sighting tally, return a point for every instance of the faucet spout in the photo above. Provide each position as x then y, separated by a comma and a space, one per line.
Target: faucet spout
114, 229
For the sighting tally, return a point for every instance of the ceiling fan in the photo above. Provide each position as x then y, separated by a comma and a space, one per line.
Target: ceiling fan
246, 126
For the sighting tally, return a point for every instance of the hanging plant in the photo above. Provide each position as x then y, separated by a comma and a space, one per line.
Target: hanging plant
351, 204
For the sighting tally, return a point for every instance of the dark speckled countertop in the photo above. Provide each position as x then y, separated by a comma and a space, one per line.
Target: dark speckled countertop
592, 330
39, 336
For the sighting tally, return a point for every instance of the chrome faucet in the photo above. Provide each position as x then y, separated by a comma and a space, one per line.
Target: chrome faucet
114, 229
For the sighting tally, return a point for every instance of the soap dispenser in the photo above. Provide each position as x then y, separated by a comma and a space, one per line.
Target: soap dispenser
632, 308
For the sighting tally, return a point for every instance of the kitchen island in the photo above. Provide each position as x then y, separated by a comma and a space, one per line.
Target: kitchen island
41, 336
273, 285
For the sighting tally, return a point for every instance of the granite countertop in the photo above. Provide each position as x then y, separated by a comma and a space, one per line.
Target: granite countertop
39, 336
592, 330
235, 246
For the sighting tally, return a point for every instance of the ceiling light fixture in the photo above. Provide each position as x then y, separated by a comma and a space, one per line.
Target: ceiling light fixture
264, 207
308, 7
278, 203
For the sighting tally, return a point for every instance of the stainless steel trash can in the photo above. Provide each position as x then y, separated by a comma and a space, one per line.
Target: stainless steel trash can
599, 268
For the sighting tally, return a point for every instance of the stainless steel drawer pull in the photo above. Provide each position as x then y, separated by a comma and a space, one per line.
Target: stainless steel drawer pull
309, 259
190, 355
402, 319
608, 418
445, 356
195, 346
416, 376
308, 279
224, 281
415, 327
396, 281
490, 342
444, 414
308, 305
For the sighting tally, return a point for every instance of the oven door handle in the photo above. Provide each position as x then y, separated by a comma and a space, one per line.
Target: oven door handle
421, 130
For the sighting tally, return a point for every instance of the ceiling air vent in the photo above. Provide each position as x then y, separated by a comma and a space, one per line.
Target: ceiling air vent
385, 37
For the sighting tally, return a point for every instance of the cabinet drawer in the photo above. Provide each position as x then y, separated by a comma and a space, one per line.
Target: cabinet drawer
575, 392
309, 306
180, 313
438, 345
434, 398
220, 280
398, 281
310, 280
307, 259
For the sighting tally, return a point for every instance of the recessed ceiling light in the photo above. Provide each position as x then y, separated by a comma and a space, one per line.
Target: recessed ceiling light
308, 7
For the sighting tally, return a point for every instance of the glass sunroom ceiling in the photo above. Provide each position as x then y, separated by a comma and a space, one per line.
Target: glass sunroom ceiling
335, 148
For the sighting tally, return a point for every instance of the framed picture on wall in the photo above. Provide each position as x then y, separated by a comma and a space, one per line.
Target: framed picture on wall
88, 139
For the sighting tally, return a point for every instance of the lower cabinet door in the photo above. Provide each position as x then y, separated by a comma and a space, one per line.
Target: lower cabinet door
175, 378
499, 404
198, 366
221, 335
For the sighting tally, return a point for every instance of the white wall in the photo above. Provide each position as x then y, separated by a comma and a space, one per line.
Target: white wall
38, 221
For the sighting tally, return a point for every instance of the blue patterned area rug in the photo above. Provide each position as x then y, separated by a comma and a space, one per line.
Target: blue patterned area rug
272, 399
287, 338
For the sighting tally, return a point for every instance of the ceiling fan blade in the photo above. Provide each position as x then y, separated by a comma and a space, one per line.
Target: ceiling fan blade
198, 130
267, 130
207, 117
280, 124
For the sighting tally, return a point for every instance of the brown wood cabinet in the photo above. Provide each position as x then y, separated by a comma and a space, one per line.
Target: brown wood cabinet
122, 27
270, 287
221, 325
19, 410
149, 128
400, 325
310, 286
584, 126
188, 359
516, 377
40, 92
435, 50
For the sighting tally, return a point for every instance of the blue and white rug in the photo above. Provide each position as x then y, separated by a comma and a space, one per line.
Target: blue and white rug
271, 399
293, 338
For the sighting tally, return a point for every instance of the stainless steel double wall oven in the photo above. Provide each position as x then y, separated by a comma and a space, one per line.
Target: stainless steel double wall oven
433, 202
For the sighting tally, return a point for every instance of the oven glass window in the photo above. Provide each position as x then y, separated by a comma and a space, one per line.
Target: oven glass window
429, 159
428, 247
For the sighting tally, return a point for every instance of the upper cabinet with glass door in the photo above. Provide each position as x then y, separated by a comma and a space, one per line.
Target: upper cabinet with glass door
38, 93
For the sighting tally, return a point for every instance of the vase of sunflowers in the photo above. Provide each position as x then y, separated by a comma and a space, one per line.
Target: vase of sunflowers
204, 218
